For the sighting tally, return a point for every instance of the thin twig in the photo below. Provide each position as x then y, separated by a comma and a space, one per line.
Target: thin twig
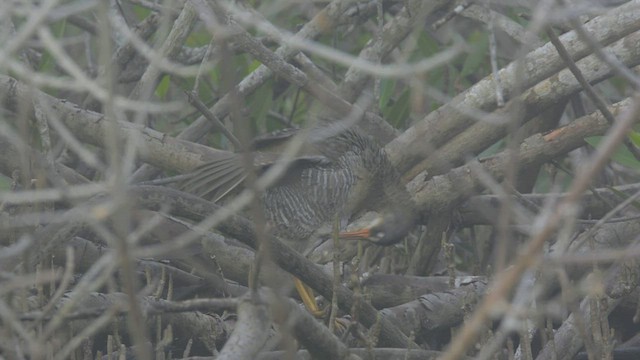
505, 281
589, 90
218, 125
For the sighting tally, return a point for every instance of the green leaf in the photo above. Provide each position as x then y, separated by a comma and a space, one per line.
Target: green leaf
427, 46
5, 183
163, 87
622, 155
47, 63
634, 136
478, 57
141, 12
493, 149
386, 90
200, 38
253, 66
260, 104
399, 111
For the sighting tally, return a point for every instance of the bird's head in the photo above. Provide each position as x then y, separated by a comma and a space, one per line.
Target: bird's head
385, 230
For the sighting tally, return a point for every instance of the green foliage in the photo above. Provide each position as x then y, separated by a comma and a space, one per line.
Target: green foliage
427, 46
198, 38
259, 105
618, 83
47, 64
493, 149
387, 86
395, 95
476, 60
622, 155
294, 104
5, 183
553, 177
634, 136
397, 112
163, 87
140, 12
253, 65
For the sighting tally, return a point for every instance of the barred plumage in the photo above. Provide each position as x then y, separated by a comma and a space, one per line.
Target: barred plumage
350, 173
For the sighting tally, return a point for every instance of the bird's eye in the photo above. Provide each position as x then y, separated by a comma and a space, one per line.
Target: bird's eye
379, 235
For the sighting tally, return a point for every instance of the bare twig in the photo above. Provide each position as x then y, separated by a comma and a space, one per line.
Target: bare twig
507, 279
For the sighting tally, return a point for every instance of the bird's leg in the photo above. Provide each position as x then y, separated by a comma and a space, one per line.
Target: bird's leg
309, 300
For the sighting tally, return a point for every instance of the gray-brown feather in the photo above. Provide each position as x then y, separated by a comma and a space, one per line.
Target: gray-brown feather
351, 173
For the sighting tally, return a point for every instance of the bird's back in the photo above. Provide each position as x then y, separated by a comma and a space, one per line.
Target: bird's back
300, 204
349, 171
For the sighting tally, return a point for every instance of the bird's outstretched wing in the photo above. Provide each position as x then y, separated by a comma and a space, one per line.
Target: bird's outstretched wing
216, 179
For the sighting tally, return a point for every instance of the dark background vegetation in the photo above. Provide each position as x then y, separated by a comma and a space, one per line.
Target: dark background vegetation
511, 122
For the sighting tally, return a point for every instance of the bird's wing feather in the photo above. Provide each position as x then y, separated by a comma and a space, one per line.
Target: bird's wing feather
216, 179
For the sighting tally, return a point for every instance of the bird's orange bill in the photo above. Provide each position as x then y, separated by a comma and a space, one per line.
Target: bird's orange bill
361, 234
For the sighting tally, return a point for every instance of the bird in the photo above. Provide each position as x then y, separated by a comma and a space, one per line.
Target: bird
336, 177
343, 174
